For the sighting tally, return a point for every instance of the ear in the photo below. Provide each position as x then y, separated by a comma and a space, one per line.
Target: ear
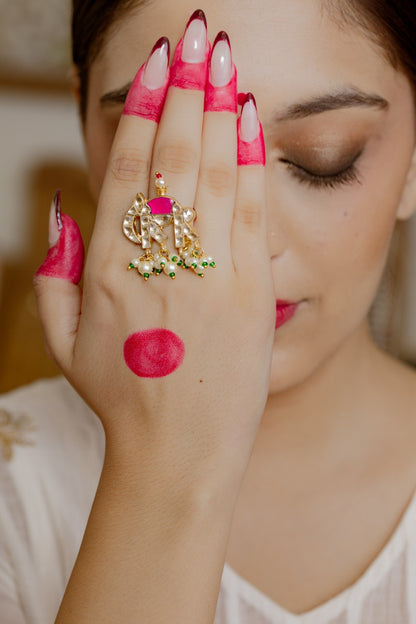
407, 204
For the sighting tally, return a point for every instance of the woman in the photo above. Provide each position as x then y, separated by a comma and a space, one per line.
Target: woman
249, 418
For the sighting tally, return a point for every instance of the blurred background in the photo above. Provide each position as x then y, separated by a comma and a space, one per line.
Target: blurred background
41, 150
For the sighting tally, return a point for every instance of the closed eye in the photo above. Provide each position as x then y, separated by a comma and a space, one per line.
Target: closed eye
322, 180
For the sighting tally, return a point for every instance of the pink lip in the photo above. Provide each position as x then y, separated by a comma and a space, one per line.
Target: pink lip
284, 312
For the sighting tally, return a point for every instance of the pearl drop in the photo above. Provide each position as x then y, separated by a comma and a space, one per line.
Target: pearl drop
146, 267
170, 267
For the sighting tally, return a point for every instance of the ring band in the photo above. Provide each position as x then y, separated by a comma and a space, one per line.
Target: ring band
145, 222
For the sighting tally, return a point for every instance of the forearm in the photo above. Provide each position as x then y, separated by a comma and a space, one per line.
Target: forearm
153, 551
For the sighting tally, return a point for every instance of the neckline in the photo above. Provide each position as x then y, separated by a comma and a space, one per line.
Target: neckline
332, 607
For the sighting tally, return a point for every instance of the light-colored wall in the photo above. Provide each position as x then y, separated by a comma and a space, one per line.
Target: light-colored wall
34, 127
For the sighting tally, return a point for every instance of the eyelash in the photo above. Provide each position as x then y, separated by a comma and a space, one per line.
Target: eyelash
349, 175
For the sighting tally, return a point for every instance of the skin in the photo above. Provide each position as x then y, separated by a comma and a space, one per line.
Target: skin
323, 244
332, 466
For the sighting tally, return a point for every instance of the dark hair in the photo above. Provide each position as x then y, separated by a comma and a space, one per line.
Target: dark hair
92, 23
391, 24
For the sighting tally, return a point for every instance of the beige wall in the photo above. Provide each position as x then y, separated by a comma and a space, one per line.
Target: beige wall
41, 150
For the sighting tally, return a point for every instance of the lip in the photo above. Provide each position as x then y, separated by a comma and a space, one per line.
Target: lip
285, 310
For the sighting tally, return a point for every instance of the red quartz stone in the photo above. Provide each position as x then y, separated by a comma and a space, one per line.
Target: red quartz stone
160, 205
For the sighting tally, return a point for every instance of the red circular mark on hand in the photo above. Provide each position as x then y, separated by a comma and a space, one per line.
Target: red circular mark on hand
154, 352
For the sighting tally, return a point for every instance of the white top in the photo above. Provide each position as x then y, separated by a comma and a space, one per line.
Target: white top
47, 489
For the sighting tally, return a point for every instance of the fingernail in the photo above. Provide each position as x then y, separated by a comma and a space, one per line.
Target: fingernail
251, 149
190, 61
154, 75
195, 38
65, 257
147, 93
250, 127
221, 67
221, 87
55, 220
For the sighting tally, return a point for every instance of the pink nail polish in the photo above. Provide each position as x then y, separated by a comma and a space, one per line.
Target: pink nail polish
241, 98
251, 150
148, 91
65, 257
190, 61
221, 88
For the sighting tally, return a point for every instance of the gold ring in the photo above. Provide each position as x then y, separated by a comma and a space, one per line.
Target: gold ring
146, 222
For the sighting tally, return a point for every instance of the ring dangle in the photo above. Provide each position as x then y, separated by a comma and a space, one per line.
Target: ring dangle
145, 224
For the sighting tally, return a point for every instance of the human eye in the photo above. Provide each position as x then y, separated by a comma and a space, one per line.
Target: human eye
325, 179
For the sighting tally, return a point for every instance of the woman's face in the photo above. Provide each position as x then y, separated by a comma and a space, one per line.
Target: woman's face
335, 177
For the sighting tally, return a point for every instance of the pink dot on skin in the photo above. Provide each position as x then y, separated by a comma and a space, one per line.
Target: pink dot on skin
154, 352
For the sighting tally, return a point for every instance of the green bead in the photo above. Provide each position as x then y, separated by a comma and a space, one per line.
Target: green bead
194, 265
146, 275
131, 266
174, 258
172, 275
212, 264
158, 271
180, 263
205, 264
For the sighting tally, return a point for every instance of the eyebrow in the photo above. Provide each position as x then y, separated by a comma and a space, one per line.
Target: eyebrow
346, 98
118, 96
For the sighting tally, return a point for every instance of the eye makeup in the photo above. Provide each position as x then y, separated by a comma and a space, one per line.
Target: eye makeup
324, 173
325, 151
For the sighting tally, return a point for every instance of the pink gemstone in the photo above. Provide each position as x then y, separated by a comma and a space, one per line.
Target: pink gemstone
160, 205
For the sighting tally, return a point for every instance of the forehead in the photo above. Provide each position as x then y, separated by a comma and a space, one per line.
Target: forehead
284, 50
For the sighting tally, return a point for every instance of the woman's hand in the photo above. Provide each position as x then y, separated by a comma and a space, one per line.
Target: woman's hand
179, 432
205, 413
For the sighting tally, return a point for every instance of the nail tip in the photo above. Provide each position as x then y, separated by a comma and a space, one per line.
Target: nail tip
250, 98
160, 43
198, 14
222, 36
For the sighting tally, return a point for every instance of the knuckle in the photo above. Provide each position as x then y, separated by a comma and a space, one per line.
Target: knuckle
176, 157
220, 179
248, 213
104, 281
128, 165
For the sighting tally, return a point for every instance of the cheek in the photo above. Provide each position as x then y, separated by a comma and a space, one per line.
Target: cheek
336, 237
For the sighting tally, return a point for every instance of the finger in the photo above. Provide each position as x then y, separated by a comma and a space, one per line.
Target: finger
249, 246
56, 286
129, 162
218, 170
178, 142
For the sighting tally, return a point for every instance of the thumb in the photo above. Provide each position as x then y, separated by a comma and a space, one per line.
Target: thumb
56, 285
